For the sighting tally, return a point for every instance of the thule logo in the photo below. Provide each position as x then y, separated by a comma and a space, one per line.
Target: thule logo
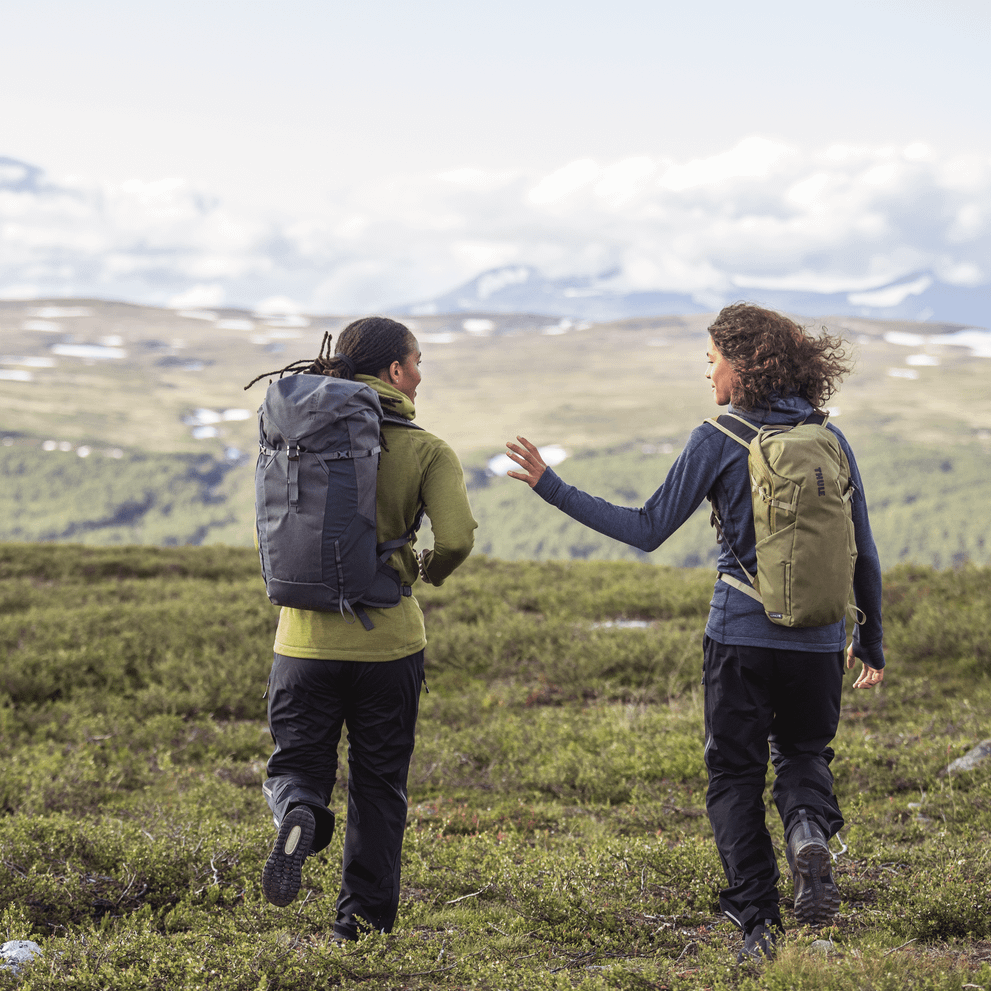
820, 483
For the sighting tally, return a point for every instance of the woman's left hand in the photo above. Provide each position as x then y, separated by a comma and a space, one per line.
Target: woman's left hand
528, 457
869, 677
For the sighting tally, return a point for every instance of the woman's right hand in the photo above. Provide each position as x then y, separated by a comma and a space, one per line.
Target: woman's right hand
529, 459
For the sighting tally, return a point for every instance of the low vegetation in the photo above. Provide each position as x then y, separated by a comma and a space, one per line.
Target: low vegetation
557, 834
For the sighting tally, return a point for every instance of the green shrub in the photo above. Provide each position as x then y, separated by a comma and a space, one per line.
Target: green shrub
557, 834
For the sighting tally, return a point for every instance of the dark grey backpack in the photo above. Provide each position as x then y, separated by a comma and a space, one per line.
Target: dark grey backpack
315, 484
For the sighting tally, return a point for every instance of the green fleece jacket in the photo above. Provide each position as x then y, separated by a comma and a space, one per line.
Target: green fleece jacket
417, 467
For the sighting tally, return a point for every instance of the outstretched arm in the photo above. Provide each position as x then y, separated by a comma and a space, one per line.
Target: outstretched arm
689, 480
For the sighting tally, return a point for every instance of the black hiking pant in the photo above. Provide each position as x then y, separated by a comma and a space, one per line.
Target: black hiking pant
755, 696
309, 703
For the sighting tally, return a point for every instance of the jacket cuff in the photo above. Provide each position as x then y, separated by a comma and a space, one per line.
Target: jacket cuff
548, 486
871, 654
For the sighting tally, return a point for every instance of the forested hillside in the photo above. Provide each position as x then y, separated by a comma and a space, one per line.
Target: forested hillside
923, 502
126, 424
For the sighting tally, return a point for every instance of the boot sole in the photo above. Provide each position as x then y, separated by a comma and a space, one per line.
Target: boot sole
817, 899
283, 871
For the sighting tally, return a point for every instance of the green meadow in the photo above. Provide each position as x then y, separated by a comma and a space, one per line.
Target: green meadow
557, 835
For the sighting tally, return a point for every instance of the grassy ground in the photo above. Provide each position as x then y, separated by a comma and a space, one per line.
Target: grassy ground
557, 835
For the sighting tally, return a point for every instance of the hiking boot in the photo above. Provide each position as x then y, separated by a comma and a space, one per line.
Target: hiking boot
817, 899
758, 944
283, 872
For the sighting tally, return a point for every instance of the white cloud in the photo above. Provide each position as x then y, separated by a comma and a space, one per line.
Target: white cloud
807, 280
761, 214
477, 178
751, 158
971, 220
21, 290
624, 180
564, 181
960, 273
807, 192
917, 151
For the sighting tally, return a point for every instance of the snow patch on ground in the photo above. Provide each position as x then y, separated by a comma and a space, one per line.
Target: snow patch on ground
553, 455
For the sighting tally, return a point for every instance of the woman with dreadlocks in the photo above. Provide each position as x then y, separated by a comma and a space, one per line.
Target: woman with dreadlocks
329, 671
764, 682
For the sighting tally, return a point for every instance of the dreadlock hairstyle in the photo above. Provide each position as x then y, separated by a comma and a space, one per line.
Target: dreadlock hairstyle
774, 356
364, 347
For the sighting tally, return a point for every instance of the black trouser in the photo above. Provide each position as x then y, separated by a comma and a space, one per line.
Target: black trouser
309, 702
755, 696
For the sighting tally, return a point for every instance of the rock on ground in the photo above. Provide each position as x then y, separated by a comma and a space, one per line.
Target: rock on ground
972, 758
17, 952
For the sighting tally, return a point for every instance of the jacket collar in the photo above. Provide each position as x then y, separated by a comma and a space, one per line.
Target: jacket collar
403, 406
784, 409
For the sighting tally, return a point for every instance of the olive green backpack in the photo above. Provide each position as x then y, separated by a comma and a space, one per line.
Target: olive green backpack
802, 494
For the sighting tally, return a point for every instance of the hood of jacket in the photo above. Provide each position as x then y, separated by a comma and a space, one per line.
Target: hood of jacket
784, 409
403, 405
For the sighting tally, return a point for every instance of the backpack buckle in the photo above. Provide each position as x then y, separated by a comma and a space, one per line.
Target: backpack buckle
289, 453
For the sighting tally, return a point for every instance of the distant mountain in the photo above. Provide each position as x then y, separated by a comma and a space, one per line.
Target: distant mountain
523, 289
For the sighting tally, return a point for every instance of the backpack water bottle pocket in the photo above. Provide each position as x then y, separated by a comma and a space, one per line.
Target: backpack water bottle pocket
774, 574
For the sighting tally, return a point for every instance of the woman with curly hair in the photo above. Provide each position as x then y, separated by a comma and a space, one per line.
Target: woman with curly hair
764, 683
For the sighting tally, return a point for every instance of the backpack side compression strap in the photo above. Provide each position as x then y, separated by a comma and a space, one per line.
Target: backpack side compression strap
739, 586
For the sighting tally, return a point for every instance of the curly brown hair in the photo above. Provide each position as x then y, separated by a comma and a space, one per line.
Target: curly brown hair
773, 356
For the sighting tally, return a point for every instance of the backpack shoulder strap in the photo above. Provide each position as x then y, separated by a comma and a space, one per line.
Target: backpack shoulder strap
743, 433
386, 549
734, 426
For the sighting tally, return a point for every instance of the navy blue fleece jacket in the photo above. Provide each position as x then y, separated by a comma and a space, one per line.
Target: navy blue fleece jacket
713, 464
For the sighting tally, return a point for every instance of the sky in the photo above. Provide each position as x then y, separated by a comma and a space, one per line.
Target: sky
339, 157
